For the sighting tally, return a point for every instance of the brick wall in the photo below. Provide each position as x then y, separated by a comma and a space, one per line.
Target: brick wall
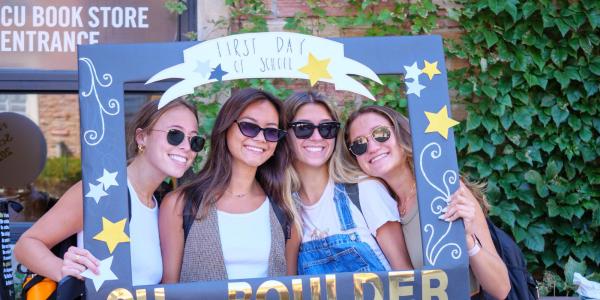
59, 121
282, 9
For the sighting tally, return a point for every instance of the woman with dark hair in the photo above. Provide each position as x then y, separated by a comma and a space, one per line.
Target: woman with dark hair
233, 201
380, 142
349, 222
161, 143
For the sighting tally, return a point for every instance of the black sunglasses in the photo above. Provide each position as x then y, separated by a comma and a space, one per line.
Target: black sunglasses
251, 130
380, 134
304, 130
176, 136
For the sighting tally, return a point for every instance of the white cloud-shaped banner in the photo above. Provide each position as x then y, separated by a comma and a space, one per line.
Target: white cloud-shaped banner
265, 55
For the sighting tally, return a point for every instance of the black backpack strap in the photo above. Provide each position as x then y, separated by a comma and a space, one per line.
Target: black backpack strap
188, 220
283, 220
352, 191
128, 205
31, 283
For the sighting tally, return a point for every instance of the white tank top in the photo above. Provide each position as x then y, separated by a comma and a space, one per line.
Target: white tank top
146, 259
246, 242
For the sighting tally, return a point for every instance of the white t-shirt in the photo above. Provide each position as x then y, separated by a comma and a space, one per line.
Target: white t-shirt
246, 242
146, 258
321, 219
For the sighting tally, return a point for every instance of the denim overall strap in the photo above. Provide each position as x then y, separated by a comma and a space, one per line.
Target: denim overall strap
342, 205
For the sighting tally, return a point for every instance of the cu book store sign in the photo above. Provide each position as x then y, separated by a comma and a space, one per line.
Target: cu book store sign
44, 34
105, 69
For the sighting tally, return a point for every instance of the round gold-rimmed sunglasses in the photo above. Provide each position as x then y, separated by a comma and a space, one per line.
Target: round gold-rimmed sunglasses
360, 144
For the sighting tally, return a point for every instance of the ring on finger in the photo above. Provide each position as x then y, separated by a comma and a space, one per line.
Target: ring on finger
77, 257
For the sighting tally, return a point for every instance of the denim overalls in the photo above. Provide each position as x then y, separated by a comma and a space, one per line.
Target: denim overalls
343, 252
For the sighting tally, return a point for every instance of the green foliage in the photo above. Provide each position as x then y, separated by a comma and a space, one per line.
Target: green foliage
176, 6
59, 174
533, 128
531, 93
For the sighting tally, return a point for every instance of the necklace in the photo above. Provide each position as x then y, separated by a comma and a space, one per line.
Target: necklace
403, 203
240, 195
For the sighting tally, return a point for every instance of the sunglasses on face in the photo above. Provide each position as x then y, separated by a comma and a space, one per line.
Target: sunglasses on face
380, 134
251, 130
176, 136
304, 130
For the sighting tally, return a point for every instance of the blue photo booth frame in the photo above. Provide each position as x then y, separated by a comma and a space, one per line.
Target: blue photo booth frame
103, 71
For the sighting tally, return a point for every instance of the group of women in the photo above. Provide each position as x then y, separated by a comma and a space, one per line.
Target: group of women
285, 190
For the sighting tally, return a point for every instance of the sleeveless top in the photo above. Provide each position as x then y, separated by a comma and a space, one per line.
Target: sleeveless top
246, 248
203, 253
146, 258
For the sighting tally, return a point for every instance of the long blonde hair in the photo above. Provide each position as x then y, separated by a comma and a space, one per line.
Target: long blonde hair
400, 126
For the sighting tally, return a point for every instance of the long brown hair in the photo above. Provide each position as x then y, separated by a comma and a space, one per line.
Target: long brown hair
212, 181
145, 119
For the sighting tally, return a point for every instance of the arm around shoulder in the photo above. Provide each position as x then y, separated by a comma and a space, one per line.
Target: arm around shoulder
170, 224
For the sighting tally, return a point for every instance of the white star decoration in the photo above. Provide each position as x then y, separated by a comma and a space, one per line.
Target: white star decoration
202, 67
414, 88
108, 179
105, 273
96, 192
412, 72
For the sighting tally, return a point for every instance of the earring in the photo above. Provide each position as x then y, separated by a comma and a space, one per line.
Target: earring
141, 148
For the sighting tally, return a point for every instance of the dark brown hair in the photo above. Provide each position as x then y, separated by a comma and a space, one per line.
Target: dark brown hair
145, 119
212, 181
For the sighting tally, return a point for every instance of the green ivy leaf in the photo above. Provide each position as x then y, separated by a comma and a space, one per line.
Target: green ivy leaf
585, 134
490, 38
522, 117
562, 26
506, 120
490, 91
558, 56
573, 266
533, 177
489, 149
535, 243
511, 161
473, 121
559, 115
595, 65
553, 168
475, 143
496, 6
528, 8
490, 124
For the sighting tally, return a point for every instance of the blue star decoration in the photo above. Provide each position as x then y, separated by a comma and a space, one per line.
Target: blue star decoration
218, 73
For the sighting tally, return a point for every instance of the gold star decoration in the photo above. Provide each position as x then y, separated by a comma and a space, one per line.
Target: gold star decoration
439, 122
431, 69
112, 233
316, 69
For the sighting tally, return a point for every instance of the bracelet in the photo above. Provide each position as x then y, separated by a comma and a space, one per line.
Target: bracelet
476, 248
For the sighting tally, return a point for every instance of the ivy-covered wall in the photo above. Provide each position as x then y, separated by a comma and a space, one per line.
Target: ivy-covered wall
526, 76
533, 127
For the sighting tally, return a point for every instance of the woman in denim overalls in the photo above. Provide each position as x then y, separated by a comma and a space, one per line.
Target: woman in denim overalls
337, 235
